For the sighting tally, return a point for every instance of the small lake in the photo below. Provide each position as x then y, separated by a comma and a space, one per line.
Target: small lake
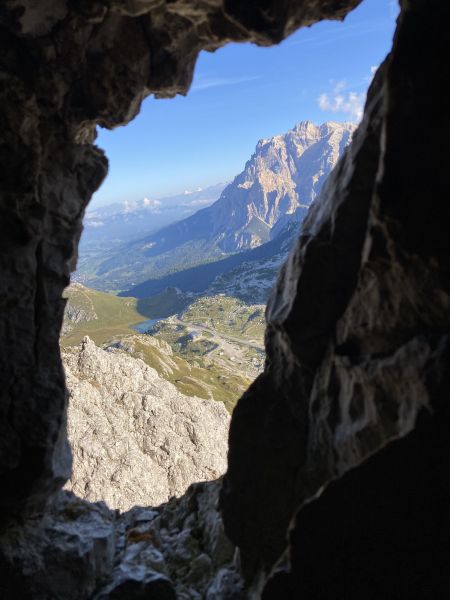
146, 326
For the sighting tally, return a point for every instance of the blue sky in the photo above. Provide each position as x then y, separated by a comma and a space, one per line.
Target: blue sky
242, 93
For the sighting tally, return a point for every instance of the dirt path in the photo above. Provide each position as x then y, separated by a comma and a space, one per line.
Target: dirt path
222, 336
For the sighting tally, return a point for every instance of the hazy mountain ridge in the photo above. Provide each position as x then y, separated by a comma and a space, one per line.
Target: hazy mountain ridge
199, 279
108, 229
128, 219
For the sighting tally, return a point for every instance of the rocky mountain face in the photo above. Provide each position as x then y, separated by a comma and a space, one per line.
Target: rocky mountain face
278, 184
135, 439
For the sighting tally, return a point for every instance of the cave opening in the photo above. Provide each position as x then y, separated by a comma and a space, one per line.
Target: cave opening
179, 278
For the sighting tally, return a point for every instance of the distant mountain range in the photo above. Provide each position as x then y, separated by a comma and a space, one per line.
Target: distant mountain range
127, 220
252, 220
247, 275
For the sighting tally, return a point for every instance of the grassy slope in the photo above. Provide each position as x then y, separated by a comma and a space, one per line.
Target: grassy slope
227, 374
190, 371
115, 315
194, 365
229, 316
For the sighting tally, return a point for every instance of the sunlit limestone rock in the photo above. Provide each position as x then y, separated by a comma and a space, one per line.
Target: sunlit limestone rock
279, 183
135, 438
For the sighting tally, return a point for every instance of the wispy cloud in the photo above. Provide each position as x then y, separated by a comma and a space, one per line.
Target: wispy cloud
339, 86
342, 32
150, 203
350, 103
341, 99
213, 82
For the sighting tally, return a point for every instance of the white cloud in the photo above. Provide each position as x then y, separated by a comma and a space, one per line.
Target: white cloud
150, 203
350, 103
339, 85
342, 100
199, 202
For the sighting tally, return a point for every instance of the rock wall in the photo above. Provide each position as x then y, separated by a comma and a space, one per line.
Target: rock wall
357, 339
380, 531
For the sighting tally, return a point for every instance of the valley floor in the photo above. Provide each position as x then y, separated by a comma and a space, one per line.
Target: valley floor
208, 347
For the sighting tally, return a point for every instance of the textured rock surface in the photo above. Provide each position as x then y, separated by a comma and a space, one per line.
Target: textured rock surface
80, 551
398, 501
357, 322
135, 439
79, 312
66, 553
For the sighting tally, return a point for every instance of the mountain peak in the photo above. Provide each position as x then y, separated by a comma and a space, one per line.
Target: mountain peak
302, 126
275, 189
279, 182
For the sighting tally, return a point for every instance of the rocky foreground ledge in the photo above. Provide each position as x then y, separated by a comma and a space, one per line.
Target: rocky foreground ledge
135, 438
80, 550
135, 441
